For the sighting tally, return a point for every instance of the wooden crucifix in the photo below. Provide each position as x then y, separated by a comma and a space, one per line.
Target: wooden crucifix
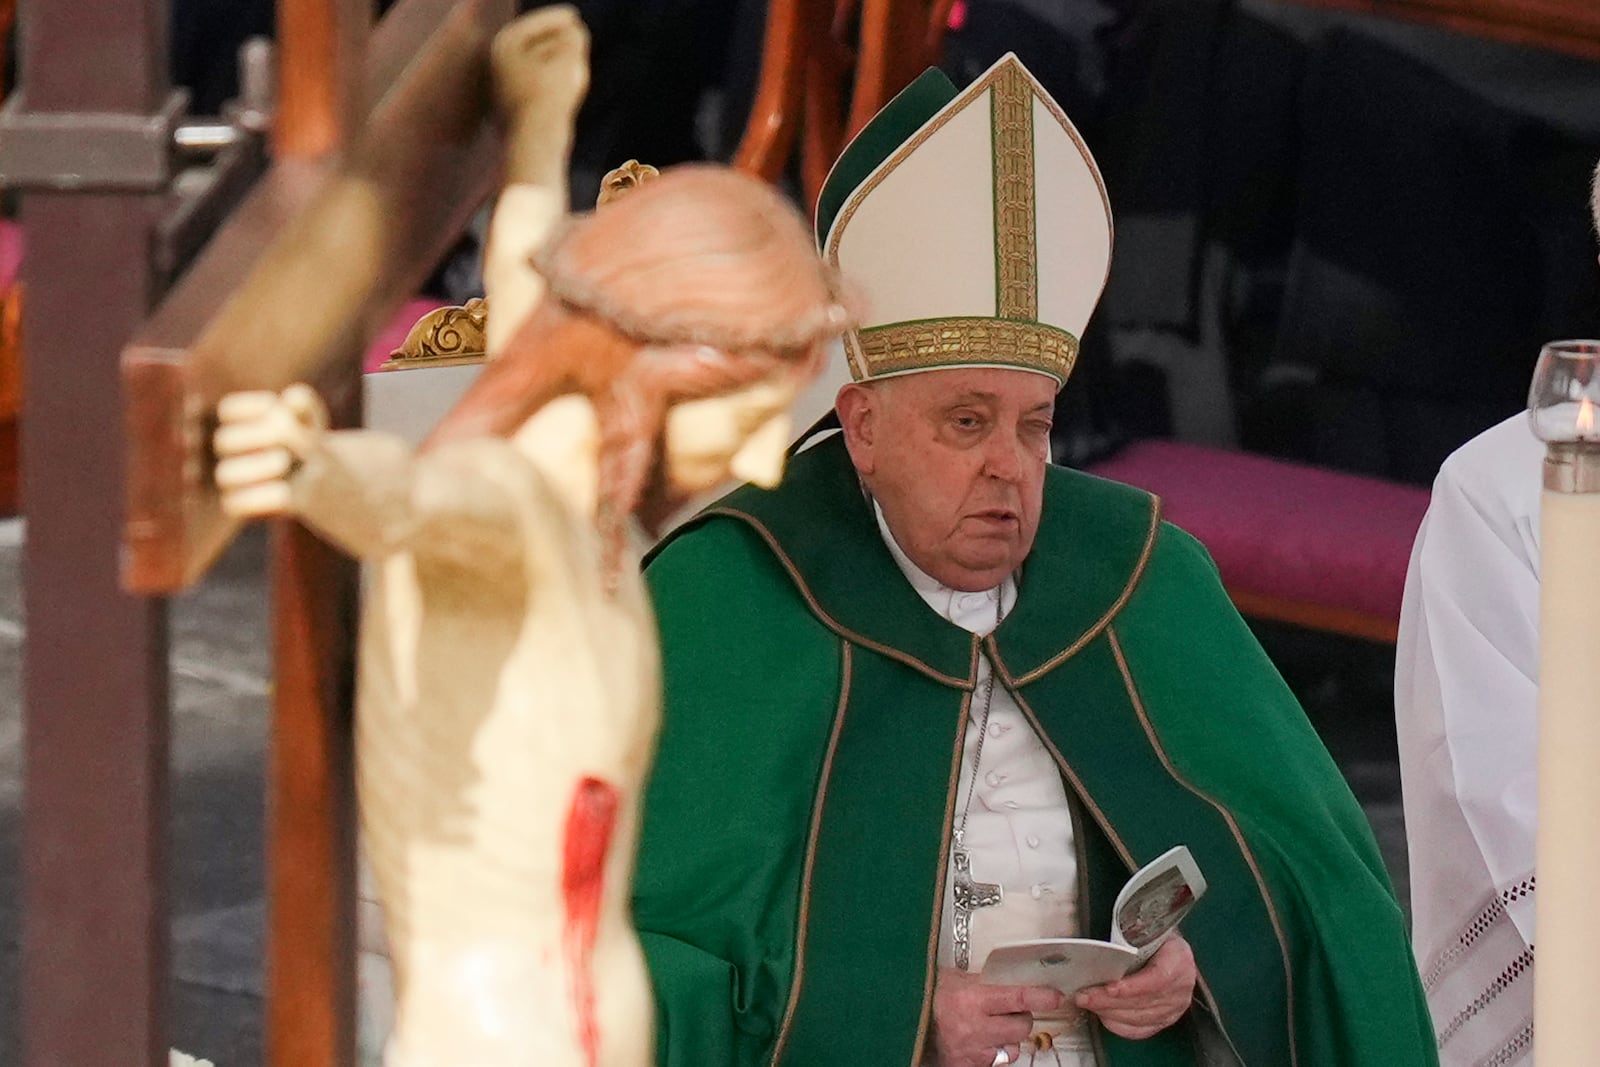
383, 153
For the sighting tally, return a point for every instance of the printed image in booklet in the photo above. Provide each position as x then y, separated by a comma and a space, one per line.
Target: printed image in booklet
1146, 913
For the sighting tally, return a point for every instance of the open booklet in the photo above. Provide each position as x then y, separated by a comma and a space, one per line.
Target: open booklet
1145, 914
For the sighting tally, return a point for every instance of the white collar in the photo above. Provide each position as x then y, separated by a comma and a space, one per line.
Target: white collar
974, 612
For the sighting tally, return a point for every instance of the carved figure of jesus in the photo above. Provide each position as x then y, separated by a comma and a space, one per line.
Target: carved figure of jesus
508, 686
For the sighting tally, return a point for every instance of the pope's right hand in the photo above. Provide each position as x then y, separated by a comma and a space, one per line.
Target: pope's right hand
972, 1022
261, 440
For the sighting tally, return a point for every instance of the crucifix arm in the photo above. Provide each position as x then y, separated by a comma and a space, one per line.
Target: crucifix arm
363, 490
541, 72
355, 489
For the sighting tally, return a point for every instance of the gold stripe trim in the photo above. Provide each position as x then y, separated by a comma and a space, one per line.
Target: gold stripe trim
1099, 181
1080, 850
1122, 600
1016, 229
1012, 687
1215, 1011
966, 684
1077, 787
1233, 827
931, 980
804, 920
952, 342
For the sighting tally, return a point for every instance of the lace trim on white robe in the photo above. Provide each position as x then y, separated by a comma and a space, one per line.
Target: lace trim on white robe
1485, 1024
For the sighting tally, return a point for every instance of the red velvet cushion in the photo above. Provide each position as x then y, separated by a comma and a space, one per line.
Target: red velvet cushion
1283, 530
394, 334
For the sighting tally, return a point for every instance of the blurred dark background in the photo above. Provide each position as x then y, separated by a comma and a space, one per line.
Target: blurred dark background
1340, 238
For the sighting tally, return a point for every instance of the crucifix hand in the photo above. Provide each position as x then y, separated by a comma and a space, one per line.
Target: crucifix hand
316, 249
262, 439
540, 73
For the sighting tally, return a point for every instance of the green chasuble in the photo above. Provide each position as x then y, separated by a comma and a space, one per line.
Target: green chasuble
797, 824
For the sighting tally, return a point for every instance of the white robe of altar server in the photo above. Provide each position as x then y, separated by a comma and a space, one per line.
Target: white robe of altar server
1018, 828
1466, 685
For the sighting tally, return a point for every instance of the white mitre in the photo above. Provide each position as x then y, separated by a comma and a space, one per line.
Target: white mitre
974, 225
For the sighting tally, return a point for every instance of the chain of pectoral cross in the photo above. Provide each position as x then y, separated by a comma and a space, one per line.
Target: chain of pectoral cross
970, 895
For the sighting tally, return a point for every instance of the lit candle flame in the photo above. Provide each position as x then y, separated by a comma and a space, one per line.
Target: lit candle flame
1585, 423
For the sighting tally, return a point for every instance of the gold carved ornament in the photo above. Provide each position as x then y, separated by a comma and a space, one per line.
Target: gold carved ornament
629, 176
451, 336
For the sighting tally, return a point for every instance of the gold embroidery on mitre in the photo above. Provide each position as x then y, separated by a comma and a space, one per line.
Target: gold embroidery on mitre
956, 342
1014, 97
1015, 216
444, 337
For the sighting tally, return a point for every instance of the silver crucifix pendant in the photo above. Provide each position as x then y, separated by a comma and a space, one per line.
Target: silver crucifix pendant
969, 897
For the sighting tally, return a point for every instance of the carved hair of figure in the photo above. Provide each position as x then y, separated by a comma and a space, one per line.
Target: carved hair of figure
695, 284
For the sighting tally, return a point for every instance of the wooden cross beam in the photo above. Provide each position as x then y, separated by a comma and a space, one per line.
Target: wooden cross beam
307, 268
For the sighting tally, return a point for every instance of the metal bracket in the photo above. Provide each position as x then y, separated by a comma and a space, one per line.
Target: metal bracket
86, 151
235, 147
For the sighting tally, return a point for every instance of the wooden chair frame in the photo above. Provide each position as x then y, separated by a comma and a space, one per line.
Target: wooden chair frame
820, 87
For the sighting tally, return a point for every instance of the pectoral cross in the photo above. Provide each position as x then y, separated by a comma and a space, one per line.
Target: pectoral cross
969, 897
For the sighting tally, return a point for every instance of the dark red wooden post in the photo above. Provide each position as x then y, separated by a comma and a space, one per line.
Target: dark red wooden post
94, 952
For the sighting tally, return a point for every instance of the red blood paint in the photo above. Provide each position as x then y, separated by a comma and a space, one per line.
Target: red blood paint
590, 821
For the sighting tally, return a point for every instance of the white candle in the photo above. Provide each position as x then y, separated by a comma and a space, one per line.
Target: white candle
1567, 978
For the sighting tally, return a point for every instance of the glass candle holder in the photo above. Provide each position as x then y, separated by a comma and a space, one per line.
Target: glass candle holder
1564, 408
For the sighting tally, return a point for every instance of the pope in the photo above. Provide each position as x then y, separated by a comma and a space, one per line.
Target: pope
933, 695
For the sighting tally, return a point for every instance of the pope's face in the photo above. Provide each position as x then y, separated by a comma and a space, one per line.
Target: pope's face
742, 434
956, 459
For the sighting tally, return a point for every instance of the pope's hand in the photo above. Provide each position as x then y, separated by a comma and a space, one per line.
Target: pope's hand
261, 438
1149, 1000
971, 1020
